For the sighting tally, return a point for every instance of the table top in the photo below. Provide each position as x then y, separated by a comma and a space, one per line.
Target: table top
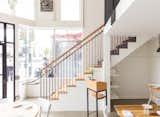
19, 109
137, 110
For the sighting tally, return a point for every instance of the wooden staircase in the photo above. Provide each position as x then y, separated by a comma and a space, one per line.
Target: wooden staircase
72, 66
121, 43
123, 46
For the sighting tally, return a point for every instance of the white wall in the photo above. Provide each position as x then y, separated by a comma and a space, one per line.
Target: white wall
138, 70
154, 67
93, 14
134, 74
93, 18
122, 7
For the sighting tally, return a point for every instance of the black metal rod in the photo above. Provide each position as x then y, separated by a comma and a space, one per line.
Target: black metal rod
46, 83
97, 104
87, 103
106, 97
14, 79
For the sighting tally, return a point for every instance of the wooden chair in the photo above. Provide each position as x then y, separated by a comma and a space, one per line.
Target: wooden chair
154, 92
44, 105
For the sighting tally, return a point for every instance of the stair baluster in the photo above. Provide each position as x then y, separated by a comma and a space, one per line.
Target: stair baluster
69, 67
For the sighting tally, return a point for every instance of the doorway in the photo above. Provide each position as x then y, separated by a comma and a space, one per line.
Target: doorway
7, 61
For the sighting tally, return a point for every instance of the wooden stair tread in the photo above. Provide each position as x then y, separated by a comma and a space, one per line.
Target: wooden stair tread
88, 72
99, 95
63, 90
97, 66
80, 79
55, 96
71, 85
115, 52
123, 45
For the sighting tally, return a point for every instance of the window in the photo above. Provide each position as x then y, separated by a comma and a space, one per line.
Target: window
4, 7
70, 10
25, 9
38, 45
19, 8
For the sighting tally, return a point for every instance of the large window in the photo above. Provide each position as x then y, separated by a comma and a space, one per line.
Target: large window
25, 9
37, 46
4, 7
19, 8
70, 10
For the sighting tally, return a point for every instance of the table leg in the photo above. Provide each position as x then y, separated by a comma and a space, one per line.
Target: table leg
96, 104
106, 97
87, 103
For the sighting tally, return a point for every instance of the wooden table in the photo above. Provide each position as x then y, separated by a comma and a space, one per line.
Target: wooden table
137, 110
25, 109
95, 89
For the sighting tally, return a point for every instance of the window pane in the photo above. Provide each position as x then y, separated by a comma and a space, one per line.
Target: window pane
10, 55
1, 32
10, 33
4, 7
70, 10
25, 9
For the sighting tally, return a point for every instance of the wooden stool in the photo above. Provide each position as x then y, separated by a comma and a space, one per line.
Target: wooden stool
96, 87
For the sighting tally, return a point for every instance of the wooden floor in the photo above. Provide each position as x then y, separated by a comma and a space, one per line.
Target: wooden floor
72, 114
113, 114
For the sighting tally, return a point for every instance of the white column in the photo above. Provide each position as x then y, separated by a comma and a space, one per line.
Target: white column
107, 64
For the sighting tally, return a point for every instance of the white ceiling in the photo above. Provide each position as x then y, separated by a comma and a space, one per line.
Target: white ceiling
142, 17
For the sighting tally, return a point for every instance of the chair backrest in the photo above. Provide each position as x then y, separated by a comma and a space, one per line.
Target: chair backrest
45, 105
154, 91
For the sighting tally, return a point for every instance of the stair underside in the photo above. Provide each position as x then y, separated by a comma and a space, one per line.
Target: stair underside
123, 53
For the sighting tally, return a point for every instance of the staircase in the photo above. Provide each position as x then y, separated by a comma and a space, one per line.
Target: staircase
82, 61
72, 66
122, 46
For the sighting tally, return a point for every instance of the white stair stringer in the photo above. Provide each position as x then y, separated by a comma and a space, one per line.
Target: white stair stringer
132, 46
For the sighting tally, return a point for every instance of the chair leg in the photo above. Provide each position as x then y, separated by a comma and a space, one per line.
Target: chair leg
40, 112
49, 109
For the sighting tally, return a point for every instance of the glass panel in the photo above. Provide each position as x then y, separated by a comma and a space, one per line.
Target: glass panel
65, 39
10, 89
70, 10
1, 89
10, 33
25, 9
10, 71
10, 62
4, 7
1, 32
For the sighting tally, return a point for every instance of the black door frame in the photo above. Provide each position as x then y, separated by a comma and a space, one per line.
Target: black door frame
4, 60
